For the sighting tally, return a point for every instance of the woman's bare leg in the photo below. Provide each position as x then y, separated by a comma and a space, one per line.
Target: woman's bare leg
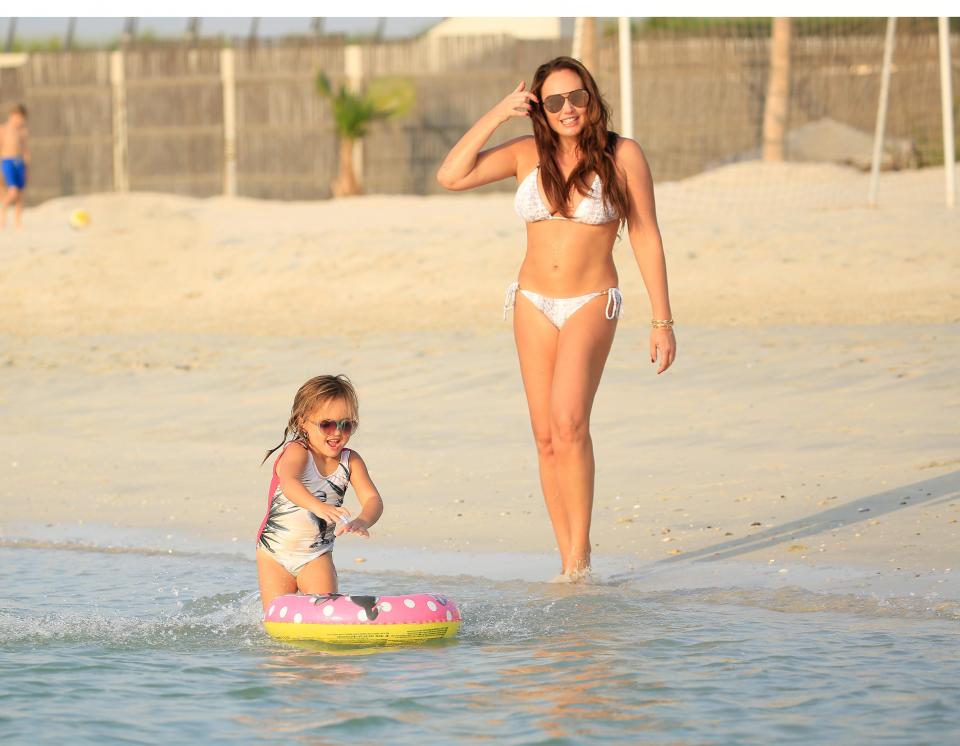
582, 349
536, 341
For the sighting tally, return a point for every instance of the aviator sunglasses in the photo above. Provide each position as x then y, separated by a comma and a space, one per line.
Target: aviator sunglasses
578, 98
329, 427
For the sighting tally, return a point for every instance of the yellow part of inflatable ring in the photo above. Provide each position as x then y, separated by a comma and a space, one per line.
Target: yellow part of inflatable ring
362, 620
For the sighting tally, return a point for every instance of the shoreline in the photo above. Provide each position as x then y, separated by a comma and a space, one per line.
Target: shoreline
790, 586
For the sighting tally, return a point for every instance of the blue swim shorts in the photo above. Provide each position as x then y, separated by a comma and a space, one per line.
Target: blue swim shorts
14, 173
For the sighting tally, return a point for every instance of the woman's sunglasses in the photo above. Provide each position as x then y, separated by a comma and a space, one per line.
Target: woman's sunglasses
578, 98
329, 427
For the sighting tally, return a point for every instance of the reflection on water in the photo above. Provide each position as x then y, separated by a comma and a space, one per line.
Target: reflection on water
134, 643
570, 682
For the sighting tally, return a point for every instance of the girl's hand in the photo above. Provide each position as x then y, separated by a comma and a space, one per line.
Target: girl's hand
356, 526
331, 513
664, 345
516, 104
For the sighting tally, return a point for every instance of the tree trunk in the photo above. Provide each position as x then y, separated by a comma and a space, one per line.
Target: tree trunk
588, 48
777, 106
346, 184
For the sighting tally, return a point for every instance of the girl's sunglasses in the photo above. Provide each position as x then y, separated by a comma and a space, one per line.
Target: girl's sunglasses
578, 98
329, 427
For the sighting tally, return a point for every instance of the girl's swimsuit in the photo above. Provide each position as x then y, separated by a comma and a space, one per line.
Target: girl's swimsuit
293, 535
592, 210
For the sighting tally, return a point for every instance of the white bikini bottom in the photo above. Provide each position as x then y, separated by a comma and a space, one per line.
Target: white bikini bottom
558, 310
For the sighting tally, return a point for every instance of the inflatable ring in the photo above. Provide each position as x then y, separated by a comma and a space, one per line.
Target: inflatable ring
362, 620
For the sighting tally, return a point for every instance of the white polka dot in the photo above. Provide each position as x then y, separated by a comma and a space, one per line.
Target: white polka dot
408, 602
283, 612
297, 618
328, 611
272, 607
362, 615
449, 616
431, 605
386, 606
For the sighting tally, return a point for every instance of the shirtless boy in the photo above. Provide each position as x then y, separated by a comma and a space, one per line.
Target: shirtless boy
16, 160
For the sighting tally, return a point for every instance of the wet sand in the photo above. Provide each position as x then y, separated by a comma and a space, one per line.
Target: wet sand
147, 362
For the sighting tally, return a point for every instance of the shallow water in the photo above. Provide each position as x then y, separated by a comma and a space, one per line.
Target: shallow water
148, 647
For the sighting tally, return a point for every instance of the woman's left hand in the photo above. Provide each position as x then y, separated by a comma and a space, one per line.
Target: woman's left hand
664, 346
356, 526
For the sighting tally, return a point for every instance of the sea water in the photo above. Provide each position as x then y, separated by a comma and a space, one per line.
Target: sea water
108, 645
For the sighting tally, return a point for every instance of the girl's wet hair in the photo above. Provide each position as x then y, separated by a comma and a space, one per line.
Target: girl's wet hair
316, 391
597, 144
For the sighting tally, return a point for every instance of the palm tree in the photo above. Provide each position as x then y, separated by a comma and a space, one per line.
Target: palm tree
353, 112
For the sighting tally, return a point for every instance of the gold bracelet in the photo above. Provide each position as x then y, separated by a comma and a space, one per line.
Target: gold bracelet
661, 323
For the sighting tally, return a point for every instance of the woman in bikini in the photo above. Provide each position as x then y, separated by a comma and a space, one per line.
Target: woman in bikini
578, 184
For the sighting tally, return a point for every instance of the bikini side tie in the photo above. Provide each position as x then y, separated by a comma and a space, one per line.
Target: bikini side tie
614, 304
510, 298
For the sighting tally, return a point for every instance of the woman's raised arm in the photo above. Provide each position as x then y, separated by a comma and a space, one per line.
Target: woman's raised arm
465, 167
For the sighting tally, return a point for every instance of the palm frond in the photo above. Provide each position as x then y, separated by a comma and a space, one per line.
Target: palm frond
353, 112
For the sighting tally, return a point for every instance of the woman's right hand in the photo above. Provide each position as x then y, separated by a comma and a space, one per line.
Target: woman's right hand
331, 513
516, 104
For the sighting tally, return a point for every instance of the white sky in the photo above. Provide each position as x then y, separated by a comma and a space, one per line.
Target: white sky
101, 29
104, 29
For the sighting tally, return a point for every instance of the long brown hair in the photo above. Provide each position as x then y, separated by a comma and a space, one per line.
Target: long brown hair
317, 390
597, 145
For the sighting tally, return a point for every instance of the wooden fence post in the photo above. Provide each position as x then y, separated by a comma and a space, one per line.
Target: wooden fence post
228, 79
121, 167
353, 69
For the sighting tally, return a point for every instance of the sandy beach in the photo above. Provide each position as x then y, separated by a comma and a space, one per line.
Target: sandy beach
147, 362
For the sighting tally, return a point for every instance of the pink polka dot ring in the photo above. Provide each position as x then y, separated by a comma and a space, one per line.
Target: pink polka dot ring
362, 620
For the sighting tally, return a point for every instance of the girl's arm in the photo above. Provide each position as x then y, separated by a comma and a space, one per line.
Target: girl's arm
465, 167
647, 246
371, 505
292, 463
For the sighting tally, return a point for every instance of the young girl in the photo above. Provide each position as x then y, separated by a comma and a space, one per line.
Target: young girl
305, 504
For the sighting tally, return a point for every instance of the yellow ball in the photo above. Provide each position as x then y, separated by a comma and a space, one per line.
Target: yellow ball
79, 219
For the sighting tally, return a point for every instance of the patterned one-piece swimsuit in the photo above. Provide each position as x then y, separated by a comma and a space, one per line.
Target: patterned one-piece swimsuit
293, 535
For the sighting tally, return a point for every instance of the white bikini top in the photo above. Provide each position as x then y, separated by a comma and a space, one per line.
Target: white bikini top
593, 208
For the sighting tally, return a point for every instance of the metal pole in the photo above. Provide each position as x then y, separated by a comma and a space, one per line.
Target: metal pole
881, 128
71, 30
946, 102
11, 35
626, 80
129, 30
193, 29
